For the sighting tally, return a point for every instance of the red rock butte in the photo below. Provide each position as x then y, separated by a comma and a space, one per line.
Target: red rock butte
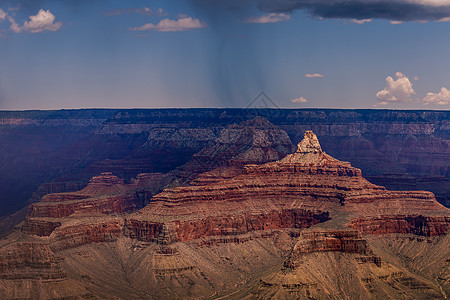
303, 189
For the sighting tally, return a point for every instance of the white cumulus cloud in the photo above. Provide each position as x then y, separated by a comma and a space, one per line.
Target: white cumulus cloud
357, 21
269, 18
14, 26
396, 90
441, 98
2, 15
314, 75
182, 24
44, 20
146, 11
299, 100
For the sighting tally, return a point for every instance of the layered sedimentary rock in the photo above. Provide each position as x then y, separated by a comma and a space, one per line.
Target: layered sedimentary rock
253, 141
53, 187
303, 226
40, 226
31, 270
308, 184
220, 225
345, 241
86, 232
40, 146
298, 191
339, 240
104, 195
29, 260
416, 224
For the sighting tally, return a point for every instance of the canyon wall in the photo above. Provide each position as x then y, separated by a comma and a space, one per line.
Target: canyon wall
68, 147
306, 225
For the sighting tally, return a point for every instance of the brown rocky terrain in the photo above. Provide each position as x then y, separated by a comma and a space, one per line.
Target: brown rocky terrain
304, 226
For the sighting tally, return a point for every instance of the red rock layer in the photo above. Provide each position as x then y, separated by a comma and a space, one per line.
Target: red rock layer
295, 192
144, 230
106, 183
348, 241
28, 261
40, 227
59, 197
105, 194
240, 224
144, 178
101, 204
105, 179
217, 175
288, 185
369, 202
224, 225
86, 233
415, 224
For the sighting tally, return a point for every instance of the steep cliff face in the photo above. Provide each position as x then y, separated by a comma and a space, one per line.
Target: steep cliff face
86, 231
322, 241
415, 224
345, 241
104, 195
40, 226
221, 225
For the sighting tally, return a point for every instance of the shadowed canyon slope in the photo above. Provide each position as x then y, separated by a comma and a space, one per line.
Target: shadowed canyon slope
300, 226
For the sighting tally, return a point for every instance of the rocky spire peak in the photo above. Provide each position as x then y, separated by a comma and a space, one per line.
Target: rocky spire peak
309, 144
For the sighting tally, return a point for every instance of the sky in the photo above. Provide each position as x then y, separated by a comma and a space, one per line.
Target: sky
58, 54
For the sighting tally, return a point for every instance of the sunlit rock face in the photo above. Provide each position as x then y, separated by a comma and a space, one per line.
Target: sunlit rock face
309, 144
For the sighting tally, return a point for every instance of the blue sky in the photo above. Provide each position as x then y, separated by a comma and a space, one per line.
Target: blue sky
222, 53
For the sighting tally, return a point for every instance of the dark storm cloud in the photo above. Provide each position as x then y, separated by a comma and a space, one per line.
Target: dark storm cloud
420, 10
398, 10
